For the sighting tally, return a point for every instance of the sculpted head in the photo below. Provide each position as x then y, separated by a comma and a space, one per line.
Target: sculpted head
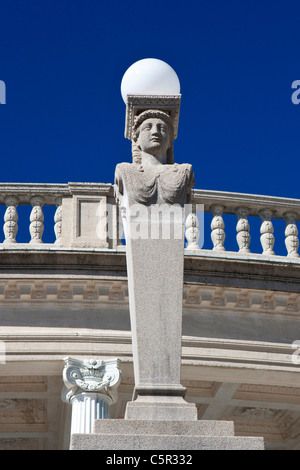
153, 133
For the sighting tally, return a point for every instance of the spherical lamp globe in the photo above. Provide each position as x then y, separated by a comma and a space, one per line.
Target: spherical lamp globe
150, 77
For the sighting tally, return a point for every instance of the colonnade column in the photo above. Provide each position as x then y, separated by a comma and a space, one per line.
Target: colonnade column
91, 388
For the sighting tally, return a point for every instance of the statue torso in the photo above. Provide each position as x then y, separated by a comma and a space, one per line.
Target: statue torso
155, 184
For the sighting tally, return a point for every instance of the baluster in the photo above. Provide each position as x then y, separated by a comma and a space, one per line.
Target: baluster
58, 220
120, 226
243, 236
36, 227
267, 238
217, 226
10, 227
192, 230
291, 235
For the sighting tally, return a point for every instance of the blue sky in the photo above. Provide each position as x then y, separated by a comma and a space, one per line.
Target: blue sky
63, 62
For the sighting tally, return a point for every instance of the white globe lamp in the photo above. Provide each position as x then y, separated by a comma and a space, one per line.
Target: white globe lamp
149, 77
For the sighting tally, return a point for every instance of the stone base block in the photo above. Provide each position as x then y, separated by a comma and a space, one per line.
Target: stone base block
161, 408
171, 428
164, 435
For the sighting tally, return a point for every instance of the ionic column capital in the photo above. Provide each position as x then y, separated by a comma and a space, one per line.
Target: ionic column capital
101, 377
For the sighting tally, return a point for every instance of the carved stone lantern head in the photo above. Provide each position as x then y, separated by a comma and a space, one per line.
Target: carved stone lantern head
150, 84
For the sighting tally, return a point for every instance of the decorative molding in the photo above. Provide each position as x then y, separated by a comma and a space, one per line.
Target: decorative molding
116, 292
12, 290
64, 291
195, 296
38, 291
236, 299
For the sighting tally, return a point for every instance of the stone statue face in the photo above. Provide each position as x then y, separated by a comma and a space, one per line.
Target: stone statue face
153, 136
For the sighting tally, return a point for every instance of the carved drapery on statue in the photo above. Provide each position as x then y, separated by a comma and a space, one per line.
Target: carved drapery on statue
169, 184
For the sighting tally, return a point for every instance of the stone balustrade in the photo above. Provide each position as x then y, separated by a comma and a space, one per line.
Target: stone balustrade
266, 208
76, 214
87, 216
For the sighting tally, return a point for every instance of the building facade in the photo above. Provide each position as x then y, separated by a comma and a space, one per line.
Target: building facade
69, 299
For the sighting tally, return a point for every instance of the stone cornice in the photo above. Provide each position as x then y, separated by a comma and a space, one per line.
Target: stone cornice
113, 291
249, 361
248, 271
203, 268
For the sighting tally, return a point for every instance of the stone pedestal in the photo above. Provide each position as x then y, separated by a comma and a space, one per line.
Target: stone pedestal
164, 435
160, 407
155, 281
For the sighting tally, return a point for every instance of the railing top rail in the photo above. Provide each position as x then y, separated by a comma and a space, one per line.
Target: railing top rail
253, 202
50, 191
230, 201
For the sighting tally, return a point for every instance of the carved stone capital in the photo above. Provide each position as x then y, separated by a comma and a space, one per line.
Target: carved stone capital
138, 103
91, 376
